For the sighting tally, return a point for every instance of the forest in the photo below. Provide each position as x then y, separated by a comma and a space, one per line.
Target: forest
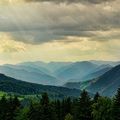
82, 108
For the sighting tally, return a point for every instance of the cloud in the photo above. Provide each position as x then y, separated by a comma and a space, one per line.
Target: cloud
57, 1
81, 49
61, 30
7, 45
72, 1
36, 23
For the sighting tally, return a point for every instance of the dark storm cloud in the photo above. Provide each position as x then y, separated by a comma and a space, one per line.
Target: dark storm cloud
39, 23
72, 1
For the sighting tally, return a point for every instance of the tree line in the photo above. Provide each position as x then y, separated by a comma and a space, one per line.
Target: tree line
82, 108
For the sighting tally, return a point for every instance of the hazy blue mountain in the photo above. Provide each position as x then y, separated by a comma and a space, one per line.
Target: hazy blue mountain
51, 66
79, 85
28, 68
47, 73
108, 83
8, 84
54, 66
36, 65
56, 73
73, 85
35, 72
100, 67
29, 74
88, 79
97, 72
76, 70
112, 63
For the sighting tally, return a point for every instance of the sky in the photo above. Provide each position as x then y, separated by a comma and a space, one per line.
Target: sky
59, 30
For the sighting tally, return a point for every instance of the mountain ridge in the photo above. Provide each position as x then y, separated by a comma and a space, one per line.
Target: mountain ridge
8, 84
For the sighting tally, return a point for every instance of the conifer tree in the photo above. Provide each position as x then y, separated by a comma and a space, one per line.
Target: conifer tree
45, 99
43, 110
102, 109
47, 110
116, 106
96, 97
16, 102
3, 108
84, 109
68, 105
58, 109
33, 113
12, 106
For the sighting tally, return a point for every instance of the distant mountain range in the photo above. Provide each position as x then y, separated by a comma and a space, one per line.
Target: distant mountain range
97, 72
11, 85
112, 63
29, 74
102, 76
107, 84
75, 71
51, 66
35, 72
56, 73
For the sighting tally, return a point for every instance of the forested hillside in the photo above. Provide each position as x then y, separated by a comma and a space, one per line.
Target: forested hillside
8, 84
82, 108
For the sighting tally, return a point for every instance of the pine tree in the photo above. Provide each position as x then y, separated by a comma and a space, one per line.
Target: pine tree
47, 110
96, 97
58, 109
102, 109
33, 113
16, 102
43, 110
75, 108
84, 109
3, 108
68, 105
12, 107
10, 112
45, 99
116, 106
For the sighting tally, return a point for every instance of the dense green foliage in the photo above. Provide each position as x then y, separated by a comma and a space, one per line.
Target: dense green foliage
9, 108
83, 108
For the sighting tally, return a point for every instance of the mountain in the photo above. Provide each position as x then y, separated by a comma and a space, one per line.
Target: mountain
53, 73
97, 72
76, 70
37, 65
29, 73
79, 85
107, 84
29, 68
51, 66
54, 66
8, 84
112, 63
72, 85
